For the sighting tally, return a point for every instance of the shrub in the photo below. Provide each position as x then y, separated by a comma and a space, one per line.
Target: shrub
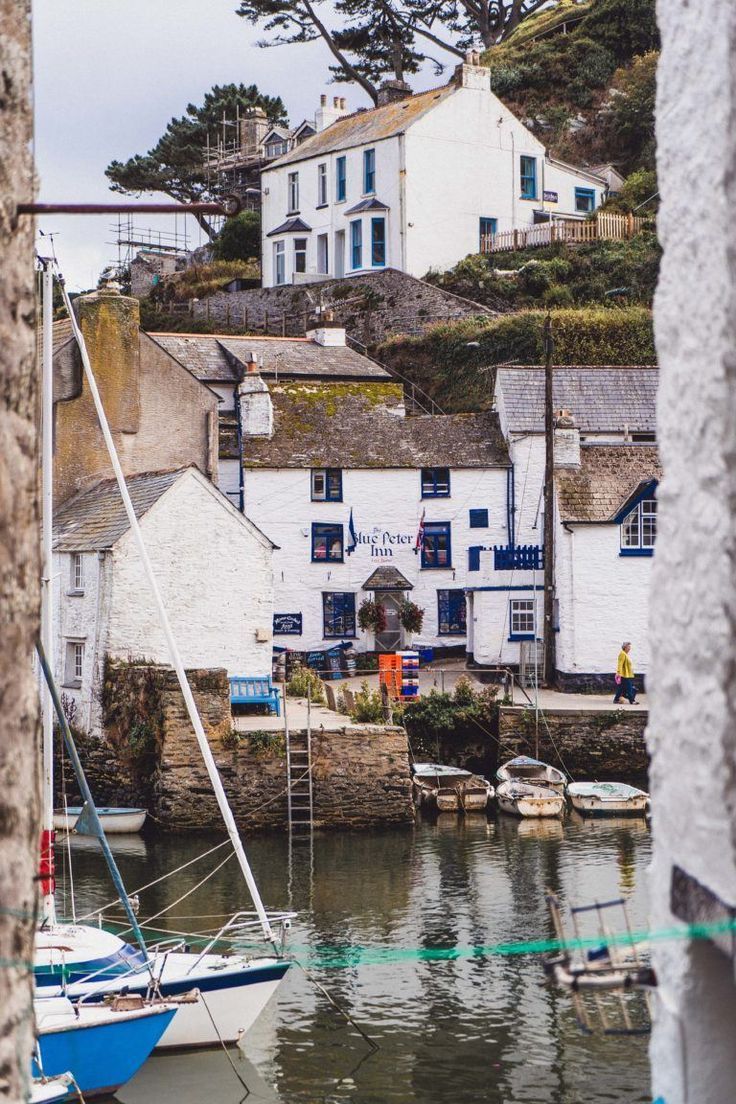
240, 238
437, 719
305, 682
368, 706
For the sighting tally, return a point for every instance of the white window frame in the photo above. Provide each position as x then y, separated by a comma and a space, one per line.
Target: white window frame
639, 527
323, 254
279, 263
523, 617
73, 663
293, 193
322, 184
301, 246
76, 573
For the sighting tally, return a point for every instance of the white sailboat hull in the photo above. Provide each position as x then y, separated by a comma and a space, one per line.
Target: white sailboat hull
596, 806
113, 821
524, 800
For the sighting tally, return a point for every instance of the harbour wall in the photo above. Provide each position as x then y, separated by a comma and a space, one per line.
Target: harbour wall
604, 745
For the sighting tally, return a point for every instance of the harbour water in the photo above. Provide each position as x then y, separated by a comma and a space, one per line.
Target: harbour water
483, 1026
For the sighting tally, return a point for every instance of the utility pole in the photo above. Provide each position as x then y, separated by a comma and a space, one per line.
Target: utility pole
549, 508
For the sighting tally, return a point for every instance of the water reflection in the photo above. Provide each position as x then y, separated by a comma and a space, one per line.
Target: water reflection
480, 1027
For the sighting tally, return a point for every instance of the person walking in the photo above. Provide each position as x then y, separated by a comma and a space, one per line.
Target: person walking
625, 676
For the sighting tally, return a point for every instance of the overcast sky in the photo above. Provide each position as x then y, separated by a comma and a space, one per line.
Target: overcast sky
109, 74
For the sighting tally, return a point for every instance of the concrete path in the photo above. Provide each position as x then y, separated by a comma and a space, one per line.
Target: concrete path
296, 709
553, 701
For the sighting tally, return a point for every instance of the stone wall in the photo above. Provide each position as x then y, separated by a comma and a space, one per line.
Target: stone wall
371, 307
601, 745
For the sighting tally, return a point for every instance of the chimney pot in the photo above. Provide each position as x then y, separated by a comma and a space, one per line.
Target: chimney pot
252, 366
336, 101
323, 100
343, 103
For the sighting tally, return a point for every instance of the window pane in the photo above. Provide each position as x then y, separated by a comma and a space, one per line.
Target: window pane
318, 485
630, 530
528, 177
339, 614
356, 240
327, 543
334, 484
378, 241
340, 178
451, 612
522, 616
648, 522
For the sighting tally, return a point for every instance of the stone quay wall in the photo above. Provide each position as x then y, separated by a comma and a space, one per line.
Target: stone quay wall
149, 755
604, 745
372, 308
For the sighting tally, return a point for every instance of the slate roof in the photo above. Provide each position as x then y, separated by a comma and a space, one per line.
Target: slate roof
366, 126
609, 475
601, 399
344, 426
218, 359
95, 519
291, 226
387, 578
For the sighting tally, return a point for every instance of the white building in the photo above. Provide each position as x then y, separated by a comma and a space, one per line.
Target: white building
606, 473
341, 480
213, 566
413, 184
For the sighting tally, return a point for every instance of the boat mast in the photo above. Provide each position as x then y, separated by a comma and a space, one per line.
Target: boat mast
47, 605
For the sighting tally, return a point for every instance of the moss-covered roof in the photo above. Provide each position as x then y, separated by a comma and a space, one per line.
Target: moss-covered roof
608, 477
346, 425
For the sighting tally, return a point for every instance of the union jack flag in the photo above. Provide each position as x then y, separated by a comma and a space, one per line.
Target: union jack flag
419, 542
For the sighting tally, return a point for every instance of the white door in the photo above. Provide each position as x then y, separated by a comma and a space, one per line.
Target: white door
339, 253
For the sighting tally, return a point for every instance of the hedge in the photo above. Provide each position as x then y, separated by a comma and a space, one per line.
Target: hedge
459, 374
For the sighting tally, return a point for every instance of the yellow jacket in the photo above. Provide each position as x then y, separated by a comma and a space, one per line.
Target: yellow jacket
624, 667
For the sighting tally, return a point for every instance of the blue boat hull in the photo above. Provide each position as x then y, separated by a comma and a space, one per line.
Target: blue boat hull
102, 1057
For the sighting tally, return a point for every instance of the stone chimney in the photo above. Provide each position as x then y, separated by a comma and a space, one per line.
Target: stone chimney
254, 126
323, 330
391, 91
326, 114
110, 323
256, 407
567, 441
471, 74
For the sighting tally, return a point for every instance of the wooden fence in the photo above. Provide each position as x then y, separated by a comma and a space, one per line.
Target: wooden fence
604, 226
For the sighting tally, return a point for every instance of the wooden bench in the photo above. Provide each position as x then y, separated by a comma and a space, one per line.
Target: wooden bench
245, 690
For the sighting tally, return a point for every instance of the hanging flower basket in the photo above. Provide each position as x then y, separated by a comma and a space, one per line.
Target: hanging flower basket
372, 616
411, 616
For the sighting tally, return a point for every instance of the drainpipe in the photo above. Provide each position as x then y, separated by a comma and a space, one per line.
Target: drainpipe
511, 505
402, 202
241, 472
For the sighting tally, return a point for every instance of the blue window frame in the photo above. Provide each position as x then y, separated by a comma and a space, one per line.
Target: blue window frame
356, 244
639, 529
338, 614
478, 519
369, 171
340, 179
585, 200
488, 226
378, 242
327, 543
435, 482
528, 174
451, 613
437, 545
326, 485
474, 557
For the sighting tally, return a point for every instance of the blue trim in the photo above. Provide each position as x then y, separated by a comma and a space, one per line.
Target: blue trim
636, 552
487, 227
527, 176
438, 526
356, 244
522, 636
647, 491
330, 532
434, 476
474, 557
539, 586
329, 497
455, 612
369, 171
343, 608
478, 519
341, 179
378, 243
589, 195
511, 505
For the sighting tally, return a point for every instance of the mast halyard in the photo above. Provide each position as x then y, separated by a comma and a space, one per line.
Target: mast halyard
47, 605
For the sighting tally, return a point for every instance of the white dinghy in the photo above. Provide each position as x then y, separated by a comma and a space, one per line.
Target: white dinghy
607, 798
450, 789
526, 800
525, 769
116, 821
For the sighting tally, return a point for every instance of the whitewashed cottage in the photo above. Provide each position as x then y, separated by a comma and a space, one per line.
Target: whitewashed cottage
362, 500
606, 474
414, 184
213, 566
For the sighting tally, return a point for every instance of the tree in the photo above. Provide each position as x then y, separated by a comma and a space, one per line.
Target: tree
240, 238
176, 164
19, 560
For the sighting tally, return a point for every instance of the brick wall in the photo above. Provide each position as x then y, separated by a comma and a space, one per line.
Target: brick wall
371, 307
601, 745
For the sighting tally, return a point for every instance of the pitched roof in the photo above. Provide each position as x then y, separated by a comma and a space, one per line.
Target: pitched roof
349, 426
608, 477
221, 359
291, 226
600, 398
95, 519
366, 126
387, 578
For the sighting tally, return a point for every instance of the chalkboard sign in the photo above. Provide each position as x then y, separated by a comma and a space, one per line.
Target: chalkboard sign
334, 663
317, 661
287, 624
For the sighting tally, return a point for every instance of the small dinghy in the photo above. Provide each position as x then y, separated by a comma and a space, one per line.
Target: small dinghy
526, 800
525, 769
46, 1090
114, 821
607, 798
449, 789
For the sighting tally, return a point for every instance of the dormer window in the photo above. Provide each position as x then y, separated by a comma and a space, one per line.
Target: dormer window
639, 529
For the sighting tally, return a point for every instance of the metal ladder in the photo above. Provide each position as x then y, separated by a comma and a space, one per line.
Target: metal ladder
300, 796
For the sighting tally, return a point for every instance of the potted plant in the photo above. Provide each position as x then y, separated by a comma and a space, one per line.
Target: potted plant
412, 617
372, 616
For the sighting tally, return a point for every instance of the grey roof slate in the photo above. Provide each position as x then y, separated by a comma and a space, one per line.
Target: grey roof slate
325, 425
95, 519
387, 578
609, 475
291, 226
601, 399
220, 359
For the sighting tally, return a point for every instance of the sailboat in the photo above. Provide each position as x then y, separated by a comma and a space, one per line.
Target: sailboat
79, 960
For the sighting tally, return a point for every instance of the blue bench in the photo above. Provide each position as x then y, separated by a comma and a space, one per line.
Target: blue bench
245, 690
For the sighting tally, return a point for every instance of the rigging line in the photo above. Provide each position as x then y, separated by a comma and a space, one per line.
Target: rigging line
225, 1048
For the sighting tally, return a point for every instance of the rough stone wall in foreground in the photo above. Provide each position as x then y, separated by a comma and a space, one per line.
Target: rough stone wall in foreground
372, 307
692, 733
607, 745
19, 557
